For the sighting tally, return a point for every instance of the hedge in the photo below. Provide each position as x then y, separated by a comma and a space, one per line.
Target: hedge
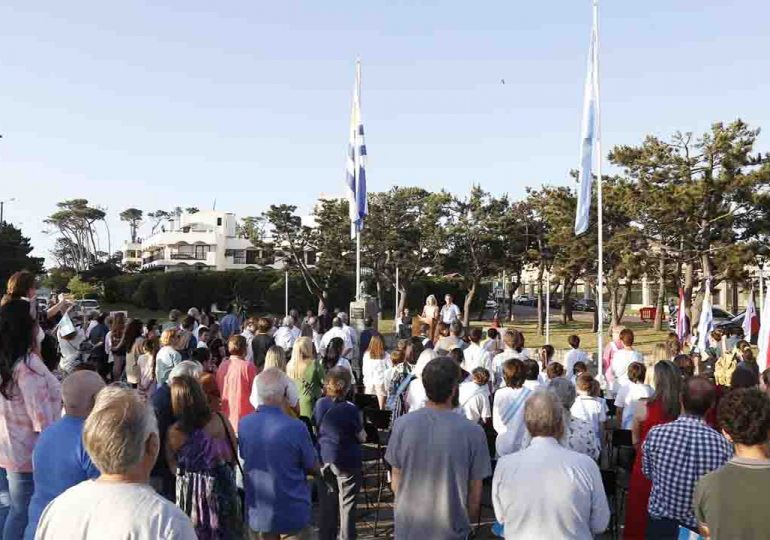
261, 291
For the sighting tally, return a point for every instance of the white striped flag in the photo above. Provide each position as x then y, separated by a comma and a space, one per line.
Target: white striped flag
706, 322
763, 342
588, 136
682, 331
355, 176
748, 317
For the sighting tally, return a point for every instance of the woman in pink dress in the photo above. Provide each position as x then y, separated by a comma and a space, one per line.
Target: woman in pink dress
30, 400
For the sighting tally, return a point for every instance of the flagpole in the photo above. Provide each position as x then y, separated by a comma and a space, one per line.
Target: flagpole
358, 264
600, 211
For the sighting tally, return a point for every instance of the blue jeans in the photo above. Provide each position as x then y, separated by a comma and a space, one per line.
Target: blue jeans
15, 492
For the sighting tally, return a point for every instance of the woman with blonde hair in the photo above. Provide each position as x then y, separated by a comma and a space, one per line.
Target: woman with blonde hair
375, 365
430, 315
307, 374
167, 356
275, 357
661, 351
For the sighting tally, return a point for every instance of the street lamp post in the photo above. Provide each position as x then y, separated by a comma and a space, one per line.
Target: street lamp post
2, 208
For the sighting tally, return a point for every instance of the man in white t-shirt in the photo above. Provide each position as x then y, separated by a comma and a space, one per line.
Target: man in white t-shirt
450, 312
475, 355
336, 331
574, 355
121, 437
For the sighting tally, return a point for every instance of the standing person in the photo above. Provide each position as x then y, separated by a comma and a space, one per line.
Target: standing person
336, 331
173, 320
416, 397
96, 336
375, 365
307, 374
508, 408
513, 347
589, 408
474, 398
449, 311
287, 334
146, 364
261, 343
475, 354
352, 337
663, 407
676, 455
121, 437
730, 502
185, 340
276, 358
278, 455
203, 337
575, 354
249, 329
230, 323
234, 379
448, 482
114, 345
340, 432
366, 336
532, 375
30, 401
167, 356
453, 340
546, 353
60, 460
132, 341
624, 358
615, 345
310, 329
493, 344
200, 451
546, 490
334, 357
630, 395
430, 315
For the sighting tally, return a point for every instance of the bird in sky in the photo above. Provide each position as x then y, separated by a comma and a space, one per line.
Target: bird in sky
502, 81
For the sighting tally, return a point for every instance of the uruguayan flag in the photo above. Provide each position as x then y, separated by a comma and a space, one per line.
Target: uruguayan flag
706, 322
355, 176
588, 136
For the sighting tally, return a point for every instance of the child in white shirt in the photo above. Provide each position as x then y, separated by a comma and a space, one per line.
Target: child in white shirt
630, 395
588, 406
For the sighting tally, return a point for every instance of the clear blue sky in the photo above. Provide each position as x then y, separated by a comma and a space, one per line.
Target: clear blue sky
165, 103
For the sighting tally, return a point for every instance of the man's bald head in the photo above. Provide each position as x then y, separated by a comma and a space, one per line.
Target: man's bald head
78, 391
698, 396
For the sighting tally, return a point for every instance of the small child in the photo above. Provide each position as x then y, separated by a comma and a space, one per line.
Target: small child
631, 394
589, 406
546, 357
578, 369
492, 344
146, 363
473, 396
554, 371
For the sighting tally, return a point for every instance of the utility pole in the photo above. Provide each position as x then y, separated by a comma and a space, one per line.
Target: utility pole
2, 208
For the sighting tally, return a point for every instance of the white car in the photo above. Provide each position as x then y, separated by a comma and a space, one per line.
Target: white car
491, 304
86, 307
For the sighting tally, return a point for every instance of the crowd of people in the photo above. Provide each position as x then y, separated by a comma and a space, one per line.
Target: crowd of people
230, 427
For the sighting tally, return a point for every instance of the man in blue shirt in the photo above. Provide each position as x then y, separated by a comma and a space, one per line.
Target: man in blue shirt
60, 460
278, 455
230, 323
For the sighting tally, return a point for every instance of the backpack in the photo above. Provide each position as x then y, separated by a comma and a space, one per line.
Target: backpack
396, 402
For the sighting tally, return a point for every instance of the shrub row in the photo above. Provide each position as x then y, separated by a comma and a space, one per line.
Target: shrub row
260, 291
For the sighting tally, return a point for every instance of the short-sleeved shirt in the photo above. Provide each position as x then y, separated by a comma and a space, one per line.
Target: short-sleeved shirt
34, 405
628, 397
235, 377
732, 501
60, 461
277, 453
94, 510
450, 313
474, 401
438, 454
338, 424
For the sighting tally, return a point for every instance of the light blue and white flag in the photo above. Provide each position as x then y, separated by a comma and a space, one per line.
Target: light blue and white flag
706, 322
355, 175
588, 136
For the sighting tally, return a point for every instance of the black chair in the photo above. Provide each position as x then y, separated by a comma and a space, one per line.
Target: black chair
610, 483
623, 456
366, 401
377, 424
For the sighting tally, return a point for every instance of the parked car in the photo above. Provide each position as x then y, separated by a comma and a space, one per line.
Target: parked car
86, 307
737, 323
525, 300
491, 304
584, 305
718, 315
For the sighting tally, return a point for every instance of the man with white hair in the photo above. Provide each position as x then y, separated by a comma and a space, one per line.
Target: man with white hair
546, 490
336, 331
121, 436
287, 334
161, 478
277, 457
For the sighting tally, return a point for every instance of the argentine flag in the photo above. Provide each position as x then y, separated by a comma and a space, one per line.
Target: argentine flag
355, 175
588, 137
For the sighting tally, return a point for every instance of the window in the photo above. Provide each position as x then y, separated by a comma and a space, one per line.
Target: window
252, 256
239, 256
201, 251
219, 222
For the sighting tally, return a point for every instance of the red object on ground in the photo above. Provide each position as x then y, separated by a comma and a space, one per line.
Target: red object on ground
647, 313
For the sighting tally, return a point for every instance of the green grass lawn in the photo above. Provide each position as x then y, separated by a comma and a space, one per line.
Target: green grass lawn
645, 336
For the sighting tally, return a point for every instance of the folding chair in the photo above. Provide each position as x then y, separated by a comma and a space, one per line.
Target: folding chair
610, 483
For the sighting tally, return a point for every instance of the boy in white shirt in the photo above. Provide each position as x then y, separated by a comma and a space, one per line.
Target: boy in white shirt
588, 407
575, 355
624, 358
631, 394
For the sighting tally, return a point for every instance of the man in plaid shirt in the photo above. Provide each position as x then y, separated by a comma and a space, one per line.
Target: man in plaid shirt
676, 455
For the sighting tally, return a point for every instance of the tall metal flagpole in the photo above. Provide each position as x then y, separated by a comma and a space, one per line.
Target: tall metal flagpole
358, 264
599, 209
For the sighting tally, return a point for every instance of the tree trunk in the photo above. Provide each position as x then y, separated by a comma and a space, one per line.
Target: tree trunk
402, 296
659, 305
734, 297
468, 302
595, 327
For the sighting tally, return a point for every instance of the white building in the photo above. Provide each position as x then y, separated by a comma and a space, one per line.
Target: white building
207, 240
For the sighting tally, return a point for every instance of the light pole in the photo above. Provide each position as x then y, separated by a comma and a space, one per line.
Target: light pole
2, 208
548, 258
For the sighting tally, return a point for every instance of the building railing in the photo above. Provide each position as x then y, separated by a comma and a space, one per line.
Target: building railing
187, 257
